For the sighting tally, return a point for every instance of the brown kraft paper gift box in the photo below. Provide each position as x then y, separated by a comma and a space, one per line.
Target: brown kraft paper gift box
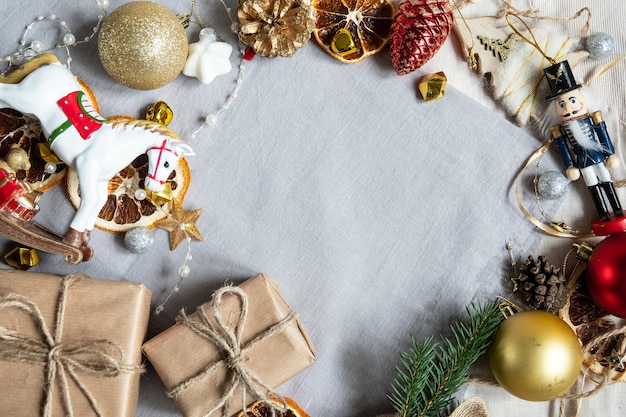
77, 320
178, 354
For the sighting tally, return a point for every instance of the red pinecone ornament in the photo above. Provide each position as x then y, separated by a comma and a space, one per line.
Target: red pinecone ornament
419, 29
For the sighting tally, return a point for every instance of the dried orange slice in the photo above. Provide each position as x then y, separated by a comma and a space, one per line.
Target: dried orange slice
261, 409
351, 30
123, 211
590, 321
25, 132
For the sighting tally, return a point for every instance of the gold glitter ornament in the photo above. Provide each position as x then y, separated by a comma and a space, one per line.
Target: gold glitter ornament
181, 224
142, 45
275, 27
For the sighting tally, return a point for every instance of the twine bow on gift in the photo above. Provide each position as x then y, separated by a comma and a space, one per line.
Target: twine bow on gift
62, 361
228, 342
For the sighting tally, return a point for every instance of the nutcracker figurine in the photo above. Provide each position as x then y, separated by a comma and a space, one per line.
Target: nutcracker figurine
583, 141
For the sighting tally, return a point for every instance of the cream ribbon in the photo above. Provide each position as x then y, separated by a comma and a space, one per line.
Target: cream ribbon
228, 342
62, 361
546, 228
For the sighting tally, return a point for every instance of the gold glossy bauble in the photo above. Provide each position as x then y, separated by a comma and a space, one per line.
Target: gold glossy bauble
143, 45
535, 356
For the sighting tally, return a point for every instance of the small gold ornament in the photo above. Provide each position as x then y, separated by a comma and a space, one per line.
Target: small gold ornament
181, 224
342, 43
535, 355
433, 86
159, 112
164, 195
275, 27
143, 45
22, 258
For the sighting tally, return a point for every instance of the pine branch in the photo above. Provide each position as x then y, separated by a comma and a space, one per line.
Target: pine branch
411, 380
431, 373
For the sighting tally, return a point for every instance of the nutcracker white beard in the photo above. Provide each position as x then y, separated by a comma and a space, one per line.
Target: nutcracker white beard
575, 131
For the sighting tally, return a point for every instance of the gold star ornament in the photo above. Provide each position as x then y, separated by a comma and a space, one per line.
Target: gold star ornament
181, 224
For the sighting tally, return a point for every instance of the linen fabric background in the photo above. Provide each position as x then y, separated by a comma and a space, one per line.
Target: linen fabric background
381, 216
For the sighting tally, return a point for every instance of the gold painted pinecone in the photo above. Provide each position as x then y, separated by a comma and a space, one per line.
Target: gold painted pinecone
275, 27
541, 284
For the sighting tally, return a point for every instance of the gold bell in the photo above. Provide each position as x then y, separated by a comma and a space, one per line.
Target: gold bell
30, 199
159, 112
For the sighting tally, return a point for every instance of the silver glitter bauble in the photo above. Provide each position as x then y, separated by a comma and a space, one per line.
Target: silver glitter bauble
552, 185
139, 239
599, 45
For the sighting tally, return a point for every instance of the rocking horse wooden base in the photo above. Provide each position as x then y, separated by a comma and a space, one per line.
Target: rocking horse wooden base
36, 236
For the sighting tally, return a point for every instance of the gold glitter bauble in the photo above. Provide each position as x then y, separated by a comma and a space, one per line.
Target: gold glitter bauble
535, 355
142, 45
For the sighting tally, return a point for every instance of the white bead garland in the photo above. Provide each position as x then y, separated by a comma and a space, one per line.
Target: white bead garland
140, 194
69, 39
211, 119
50, 167
36, 47
184, 271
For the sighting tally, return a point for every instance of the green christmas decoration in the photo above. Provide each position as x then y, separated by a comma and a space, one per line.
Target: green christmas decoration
432, 372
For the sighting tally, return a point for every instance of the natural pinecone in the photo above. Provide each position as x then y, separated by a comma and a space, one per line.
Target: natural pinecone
275, 27
541, 284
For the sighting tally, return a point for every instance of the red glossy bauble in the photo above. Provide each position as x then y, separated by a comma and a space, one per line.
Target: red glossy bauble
606, 274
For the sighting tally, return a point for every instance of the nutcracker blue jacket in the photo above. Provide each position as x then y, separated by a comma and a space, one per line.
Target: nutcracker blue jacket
572, 153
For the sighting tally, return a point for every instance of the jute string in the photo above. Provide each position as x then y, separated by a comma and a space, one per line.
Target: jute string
533, 13
605, 378
471, 407
99, 357
228, 342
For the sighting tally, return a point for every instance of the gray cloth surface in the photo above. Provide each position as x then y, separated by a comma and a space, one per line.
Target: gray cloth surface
380, 215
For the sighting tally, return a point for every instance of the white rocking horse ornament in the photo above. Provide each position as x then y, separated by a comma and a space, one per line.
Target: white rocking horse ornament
82, 139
